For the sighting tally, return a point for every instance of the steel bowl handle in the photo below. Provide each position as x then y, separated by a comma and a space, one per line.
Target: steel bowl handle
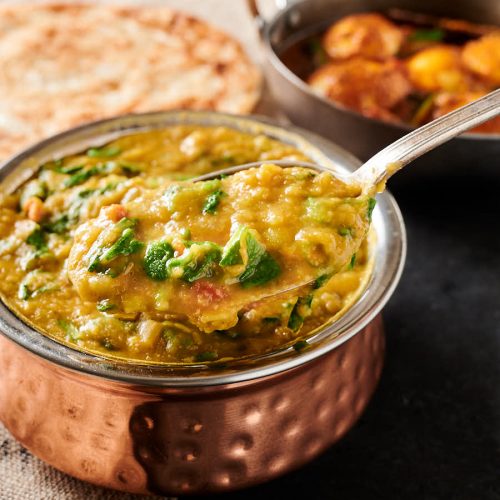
262, 19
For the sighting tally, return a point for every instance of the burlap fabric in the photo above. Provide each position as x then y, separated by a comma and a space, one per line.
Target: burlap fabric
24, 477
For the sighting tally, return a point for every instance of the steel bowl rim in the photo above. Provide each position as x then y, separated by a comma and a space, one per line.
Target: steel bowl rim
289, 75
15, 328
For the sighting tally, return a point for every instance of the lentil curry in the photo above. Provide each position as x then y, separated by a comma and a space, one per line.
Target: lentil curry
114, 251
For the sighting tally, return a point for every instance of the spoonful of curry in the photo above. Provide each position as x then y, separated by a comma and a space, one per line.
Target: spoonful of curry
208, 248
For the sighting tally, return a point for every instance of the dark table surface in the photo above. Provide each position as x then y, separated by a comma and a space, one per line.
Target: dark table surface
432, 430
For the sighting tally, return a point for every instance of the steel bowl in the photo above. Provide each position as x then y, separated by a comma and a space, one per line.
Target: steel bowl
174, 430
361, 135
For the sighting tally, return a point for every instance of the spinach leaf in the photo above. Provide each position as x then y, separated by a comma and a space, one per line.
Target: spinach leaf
69, 329
212, 201
231, 252
345, 231
105, 305
38, 240
200, 261
82, 176
321, 280
300, 345
206, 356
24, 293
155, 260
129, 169
261, 266
104, 152
271, 319
300, 311
69, 169
125, 245
371, 205
59, 225
352, 263
108, 345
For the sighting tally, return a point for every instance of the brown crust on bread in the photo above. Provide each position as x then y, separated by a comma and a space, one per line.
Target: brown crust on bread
62, 64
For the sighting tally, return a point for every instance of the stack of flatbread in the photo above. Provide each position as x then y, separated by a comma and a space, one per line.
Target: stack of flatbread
61, 65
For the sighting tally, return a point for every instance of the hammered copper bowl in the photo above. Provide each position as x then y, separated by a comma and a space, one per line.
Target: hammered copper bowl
177, 430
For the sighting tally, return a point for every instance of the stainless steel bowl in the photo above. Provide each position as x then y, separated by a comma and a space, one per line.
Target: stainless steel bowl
174, 430
361, 135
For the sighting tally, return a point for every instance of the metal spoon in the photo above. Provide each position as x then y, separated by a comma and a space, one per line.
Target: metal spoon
373, 174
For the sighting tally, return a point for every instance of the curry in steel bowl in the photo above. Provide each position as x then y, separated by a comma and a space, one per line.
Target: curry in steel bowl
401, 67
125, 276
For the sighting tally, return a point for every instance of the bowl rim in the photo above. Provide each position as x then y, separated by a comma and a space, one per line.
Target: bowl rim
387, 219
289, 75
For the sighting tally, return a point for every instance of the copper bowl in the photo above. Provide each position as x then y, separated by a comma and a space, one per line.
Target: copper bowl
196, 429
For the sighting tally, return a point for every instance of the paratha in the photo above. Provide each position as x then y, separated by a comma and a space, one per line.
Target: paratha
62, 64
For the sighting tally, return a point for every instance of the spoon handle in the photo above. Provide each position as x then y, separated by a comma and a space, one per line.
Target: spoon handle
418, 142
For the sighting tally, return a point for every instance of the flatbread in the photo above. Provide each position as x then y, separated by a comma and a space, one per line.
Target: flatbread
62, 64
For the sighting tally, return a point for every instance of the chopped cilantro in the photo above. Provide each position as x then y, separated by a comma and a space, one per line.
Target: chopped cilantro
427, 35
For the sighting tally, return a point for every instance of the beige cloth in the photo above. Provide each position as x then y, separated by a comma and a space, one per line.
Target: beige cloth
23, 476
